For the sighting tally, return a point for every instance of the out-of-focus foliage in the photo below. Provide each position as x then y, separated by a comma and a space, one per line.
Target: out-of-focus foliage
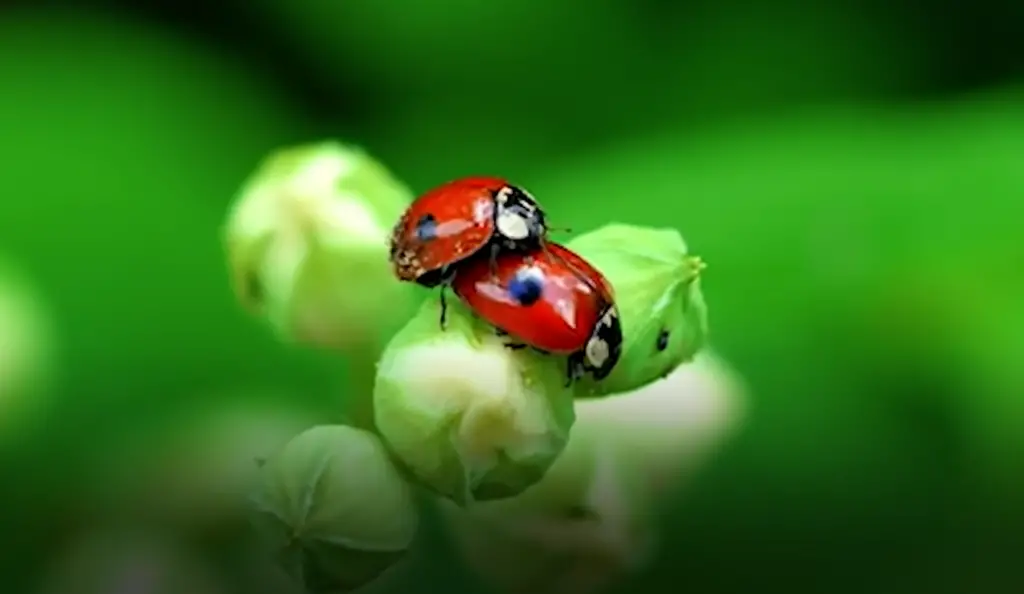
27, 355
122, 155
200, 468
864, 261
119, 560
507, 85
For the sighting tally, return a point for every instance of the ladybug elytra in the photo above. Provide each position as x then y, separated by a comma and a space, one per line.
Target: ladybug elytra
550, 299
457, 220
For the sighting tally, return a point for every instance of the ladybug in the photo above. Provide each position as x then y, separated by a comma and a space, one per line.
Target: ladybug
459, 219
550, 299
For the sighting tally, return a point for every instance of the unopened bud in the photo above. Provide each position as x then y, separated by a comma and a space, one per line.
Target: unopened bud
307, 246
657, 291
471, 418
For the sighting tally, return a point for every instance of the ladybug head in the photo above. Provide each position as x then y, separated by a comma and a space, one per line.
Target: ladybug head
604, 347
518, 219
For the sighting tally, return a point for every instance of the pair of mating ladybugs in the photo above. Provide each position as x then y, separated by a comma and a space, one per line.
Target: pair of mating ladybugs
486, 239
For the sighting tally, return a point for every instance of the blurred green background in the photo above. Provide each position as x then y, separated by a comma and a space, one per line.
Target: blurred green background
851, 171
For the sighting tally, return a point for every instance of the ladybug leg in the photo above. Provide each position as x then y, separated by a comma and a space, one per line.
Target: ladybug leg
570, 373
510, 344
444, 306
573, 370
493, 261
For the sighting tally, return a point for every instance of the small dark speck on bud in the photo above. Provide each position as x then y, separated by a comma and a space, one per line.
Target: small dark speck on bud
662, 340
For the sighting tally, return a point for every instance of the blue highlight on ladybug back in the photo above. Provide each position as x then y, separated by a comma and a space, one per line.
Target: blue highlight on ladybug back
526, 287
426, 228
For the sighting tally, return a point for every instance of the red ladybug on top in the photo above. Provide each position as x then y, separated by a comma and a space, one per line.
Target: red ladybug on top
460, 219
550, 299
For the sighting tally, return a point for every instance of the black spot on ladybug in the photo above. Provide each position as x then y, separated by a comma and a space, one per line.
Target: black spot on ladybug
662, 343
426, 228
526, 289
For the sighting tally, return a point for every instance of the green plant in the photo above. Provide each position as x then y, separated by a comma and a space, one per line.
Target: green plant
457, 412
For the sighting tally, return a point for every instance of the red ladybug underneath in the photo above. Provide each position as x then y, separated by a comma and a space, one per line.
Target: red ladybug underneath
459, 219
550, 299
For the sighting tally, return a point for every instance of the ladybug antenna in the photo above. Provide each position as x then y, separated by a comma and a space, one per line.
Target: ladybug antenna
560, 229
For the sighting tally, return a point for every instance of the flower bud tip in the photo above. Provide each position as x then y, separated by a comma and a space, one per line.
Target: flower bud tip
695, 265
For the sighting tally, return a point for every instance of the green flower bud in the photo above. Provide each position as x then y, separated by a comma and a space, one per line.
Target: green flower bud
595, 516
307, 246
657, 290
470, 418
334, 509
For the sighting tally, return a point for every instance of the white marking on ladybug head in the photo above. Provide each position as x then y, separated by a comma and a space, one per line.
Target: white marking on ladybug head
597, 351
527, 207
512, 225
608, 319
512, 197
503, 195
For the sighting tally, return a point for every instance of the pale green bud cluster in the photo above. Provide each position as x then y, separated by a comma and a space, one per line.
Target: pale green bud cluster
307, 246
482, 425
475, 420
332, 504
470, 418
